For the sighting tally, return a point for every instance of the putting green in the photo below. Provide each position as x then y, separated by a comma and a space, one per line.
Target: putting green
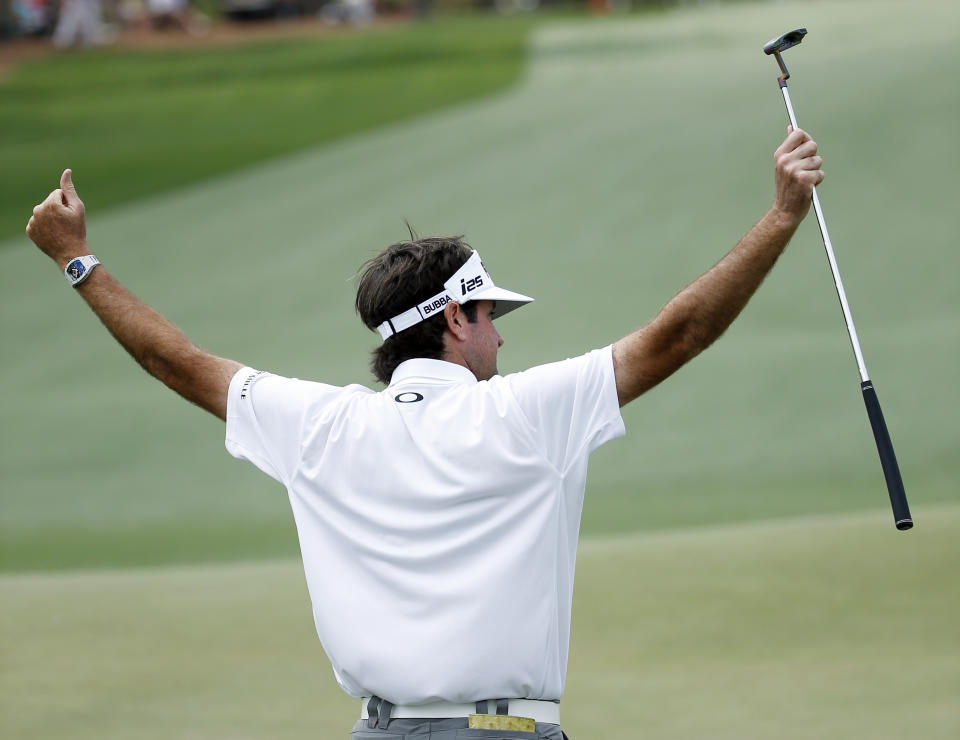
632, 156
634, 153
818, 627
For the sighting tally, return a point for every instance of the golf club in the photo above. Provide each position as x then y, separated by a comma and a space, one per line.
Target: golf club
888, 460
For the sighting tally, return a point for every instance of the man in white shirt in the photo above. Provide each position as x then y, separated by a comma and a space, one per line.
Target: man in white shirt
438, 518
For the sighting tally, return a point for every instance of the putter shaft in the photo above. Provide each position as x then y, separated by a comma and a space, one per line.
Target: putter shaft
828, 245
888, 460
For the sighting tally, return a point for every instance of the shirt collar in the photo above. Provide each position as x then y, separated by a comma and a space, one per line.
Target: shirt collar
424, 369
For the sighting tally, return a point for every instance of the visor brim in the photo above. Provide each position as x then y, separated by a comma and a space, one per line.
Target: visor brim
505, 300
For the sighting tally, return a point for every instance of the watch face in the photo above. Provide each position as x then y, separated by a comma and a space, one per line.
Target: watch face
75, 269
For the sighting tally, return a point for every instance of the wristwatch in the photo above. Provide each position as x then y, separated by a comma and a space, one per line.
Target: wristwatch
79, 268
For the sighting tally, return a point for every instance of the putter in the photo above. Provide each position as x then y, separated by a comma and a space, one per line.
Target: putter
888, 460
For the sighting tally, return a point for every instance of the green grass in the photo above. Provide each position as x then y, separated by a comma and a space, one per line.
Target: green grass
830, 628
768, 423
823, 627
739, 575
632, 156
138, 123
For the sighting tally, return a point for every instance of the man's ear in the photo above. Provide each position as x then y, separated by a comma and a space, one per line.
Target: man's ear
456, 319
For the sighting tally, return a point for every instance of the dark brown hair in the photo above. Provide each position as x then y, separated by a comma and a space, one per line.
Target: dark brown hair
400, 277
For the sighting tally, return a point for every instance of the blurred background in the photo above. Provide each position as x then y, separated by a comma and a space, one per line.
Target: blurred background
739, 573
111, 19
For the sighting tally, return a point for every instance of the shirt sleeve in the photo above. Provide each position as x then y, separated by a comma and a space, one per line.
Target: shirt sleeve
572, 405
266, 418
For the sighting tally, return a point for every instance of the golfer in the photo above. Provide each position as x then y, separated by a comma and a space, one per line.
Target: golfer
438, 518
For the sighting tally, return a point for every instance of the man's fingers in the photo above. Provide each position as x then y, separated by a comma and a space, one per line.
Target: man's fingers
69, 189
794, 139
58, 226
808, 160
803, 158
803, 149
50, 206
806, 149
809, 177
56, 196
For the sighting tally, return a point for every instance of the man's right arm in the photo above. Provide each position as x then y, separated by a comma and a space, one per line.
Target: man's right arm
702, 311
58, 227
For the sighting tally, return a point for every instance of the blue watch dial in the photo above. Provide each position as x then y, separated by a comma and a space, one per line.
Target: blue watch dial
76, 269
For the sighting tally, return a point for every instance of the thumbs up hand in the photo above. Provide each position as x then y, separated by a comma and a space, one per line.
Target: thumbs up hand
58, 225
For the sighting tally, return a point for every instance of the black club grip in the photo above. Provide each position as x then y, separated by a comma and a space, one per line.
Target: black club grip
888, 460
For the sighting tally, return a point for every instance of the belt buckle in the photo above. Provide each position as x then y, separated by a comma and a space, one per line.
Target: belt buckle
501, 722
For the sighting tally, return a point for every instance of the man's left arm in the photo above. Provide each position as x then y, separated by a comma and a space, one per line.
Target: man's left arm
58, 228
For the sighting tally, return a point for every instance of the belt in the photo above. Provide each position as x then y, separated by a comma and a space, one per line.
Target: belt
536, 709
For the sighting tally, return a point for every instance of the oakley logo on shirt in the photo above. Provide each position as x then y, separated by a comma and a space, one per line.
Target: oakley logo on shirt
408, 397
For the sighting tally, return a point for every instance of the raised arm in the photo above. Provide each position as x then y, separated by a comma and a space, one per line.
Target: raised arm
702, 311
58, 227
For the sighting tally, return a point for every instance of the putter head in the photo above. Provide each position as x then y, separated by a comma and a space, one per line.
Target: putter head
782, 43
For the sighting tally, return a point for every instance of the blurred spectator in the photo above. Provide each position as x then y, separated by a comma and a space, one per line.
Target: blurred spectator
32, 17
131, 13
517, 6
176, 14
80, 22
355, 12
260, 9
422, 8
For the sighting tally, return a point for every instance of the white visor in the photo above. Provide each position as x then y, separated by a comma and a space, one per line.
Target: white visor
471, 282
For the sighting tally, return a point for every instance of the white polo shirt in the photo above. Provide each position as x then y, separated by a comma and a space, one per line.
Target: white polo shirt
438, 519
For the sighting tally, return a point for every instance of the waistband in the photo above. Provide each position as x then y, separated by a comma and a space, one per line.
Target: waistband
536, 709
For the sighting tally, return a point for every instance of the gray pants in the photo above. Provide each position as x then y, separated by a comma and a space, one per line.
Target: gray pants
447, 729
